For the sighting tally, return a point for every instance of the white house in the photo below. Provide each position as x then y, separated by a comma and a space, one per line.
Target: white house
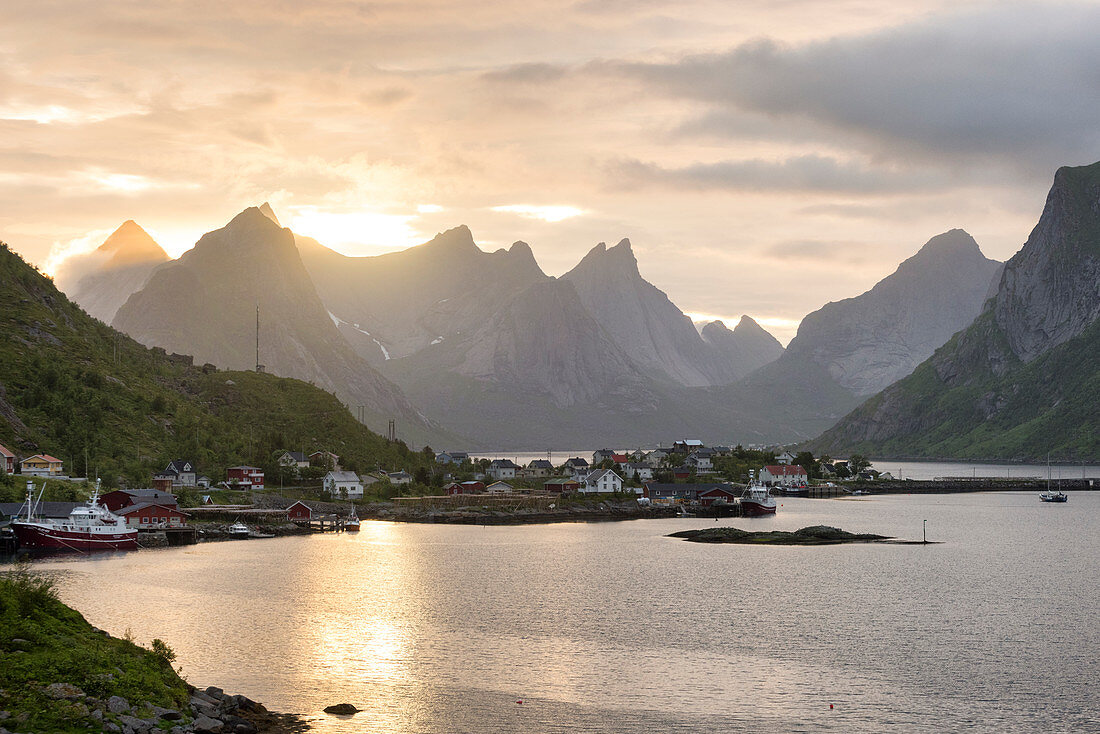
700, 463
343, 484
294, 460
656, 456
783, 474
503, 469
499, 488
601, 481
784, 458
399, 477
644, 471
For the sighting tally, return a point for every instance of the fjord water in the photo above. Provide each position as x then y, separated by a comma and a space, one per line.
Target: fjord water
614, 627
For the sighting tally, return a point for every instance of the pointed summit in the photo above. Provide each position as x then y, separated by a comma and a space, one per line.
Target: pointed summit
456, 239
129, 244
268, 212
604, 261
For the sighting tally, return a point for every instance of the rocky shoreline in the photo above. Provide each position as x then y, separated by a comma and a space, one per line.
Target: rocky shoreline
814, 535
212, 711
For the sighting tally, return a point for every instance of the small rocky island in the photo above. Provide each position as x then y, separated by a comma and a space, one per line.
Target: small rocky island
814, 535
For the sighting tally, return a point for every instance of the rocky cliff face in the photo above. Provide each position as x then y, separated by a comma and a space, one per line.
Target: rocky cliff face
1023, 379
204, 304
872, 340
1050, 290
101, 281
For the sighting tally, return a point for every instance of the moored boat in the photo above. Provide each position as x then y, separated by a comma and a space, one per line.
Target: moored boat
238, 530
757, 500
351, 524
1053, 496
88, 527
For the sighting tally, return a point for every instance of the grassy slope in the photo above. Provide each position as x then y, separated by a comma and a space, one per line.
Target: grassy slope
1047, 405
71, 385
43, 642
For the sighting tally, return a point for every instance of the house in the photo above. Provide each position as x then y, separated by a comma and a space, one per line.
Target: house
784, 458
675, 493
562, 485
151, 516
682, 472
686, 446
656, 456
203, 481
7, 461
399, 477
293, 460
578, 467
464, 488
602, 481
245, 477
721, 451
644, 472
343, 484
184, 472
207, 499
120, 498
503, 469
598, 457
452, 457
41, 465
299, 511
700, 463
720, 494
783, 474
499, 488
164, 482
53, 510
325, 460
540, 468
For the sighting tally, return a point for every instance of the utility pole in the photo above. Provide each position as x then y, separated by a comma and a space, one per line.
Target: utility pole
259, 367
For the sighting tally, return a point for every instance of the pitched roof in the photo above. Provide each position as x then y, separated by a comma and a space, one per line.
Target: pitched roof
43, 509
45, 457
156, 494
577, 461
599, 473
540, 464
5, 453
180, 466
296, 455
130, 509
343, 476
503, 464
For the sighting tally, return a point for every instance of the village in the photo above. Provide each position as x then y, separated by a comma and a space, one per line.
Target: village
314, 493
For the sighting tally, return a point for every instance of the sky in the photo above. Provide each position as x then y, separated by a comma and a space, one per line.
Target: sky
763, 157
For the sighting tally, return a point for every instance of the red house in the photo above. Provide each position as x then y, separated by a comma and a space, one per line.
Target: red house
152, 516
562, 486
116, 500
710, 496
465, 488
7, 460
246, 477
299, 511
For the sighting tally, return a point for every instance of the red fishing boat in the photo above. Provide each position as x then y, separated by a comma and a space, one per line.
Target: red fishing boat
757, 500
88, 527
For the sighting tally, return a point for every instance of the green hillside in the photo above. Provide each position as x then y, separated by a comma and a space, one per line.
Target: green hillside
1029, 410
75, 388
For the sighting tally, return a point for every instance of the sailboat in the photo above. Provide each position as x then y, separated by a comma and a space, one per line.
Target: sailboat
1051, 495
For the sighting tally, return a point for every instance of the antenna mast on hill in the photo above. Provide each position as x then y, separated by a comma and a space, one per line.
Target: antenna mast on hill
259, 367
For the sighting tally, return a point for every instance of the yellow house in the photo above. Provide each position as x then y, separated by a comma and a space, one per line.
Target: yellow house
41, 465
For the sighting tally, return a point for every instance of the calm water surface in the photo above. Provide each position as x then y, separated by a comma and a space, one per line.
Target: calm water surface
613, 627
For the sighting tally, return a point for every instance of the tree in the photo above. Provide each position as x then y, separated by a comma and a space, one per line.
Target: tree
858, 463
805, 459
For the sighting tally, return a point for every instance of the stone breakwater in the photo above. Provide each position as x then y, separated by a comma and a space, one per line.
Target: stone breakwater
489, 515
211, 711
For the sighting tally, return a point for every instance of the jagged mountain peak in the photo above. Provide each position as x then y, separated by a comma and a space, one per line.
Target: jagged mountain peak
456, 239
268, 212
604, 261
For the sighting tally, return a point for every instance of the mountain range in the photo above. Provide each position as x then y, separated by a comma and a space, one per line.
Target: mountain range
1021, 381
499, 354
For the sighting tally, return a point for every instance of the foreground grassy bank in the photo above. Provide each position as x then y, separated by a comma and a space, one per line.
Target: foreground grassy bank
58, 673
52, 662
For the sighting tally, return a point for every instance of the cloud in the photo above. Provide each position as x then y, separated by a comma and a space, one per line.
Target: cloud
1007, 82
799, 173
531, 73
545, 213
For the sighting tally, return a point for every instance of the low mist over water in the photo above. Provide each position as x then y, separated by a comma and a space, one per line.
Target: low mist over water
614, 627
